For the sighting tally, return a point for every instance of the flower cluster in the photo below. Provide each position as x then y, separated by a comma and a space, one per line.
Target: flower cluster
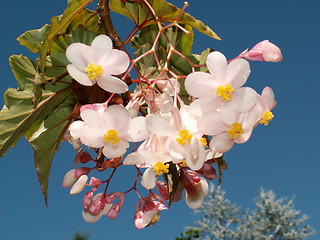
173, 144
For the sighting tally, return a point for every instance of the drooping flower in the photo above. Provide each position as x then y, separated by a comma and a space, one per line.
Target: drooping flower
263, 51
264, 106
111, 130
222, 87
98, 63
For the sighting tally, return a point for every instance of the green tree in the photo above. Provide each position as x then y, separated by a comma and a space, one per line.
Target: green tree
272, 219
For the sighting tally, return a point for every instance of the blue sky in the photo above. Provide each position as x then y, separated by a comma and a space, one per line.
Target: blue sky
283, 157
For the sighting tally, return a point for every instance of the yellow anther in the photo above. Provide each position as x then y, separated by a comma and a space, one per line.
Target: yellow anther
183, 163
161, 168
236, 130
94, 71
111, 136
225, 92
204, 142
185, 137
266, 118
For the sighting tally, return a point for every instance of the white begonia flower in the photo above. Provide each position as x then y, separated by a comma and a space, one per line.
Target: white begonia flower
265, 104
222, 87
97, 63
155, 162
186, 143
225, 135
111, 129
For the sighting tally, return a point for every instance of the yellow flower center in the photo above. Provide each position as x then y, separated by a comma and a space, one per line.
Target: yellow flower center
161, 168
94, 71
183, 163
184, 137
236, 130
111, 136
204, 142
266, 118
225, 92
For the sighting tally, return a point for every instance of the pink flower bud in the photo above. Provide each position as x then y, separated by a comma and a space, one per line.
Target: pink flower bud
97, 205
82, 171
208, 171
163, 190
69, 179
94, 182
87, 199
263, 51
85, 157
114, 210
79, 185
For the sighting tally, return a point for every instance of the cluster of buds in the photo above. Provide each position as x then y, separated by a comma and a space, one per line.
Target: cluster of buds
172, 144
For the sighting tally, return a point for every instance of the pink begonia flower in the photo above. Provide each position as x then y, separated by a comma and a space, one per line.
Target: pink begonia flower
97, 63
225, 135
222, 87
265, 104
195, 199
79, 185
111, 129
186, 143
263, 51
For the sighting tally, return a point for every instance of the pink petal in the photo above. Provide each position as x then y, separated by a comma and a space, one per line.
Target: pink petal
243, 99
117, 118
217, 66
271, 53
221, 143
93, 118
69, 178
92, 137
159, 126
212, 124
201, 106
227, 113
195, 200
89, 218
101, 48
268, 98
112, 84
137, 130
238, 73
200, 85
112, 151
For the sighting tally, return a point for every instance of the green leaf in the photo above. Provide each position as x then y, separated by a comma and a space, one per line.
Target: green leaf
33, 38
45, 142
202, 58
166, 12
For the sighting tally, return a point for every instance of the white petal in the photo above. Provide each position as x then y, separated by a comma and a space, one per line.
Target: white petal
117, 118
79, 185
221, 143
238, 73
112, 151
148, 179
137, 158
201, 106
200, 85
76, 127
137, 130
79, 55
227, 113
80, 76
211, 124
116, 63
112, 84
243, 99
159, 126
93, 118
89, 218
217, 65
92, 137
69, 179
268, 98
101, 46
195, 200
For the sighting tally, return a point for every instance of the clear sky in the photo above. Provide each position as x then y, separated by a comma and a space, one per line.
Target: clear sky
283, 157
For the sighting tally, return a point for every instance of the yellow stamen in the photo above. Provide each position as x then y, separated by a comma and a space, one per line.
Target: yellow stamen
111, 136
185, 137
161, 168
183, 163
94, 71
204, 142
266, 118
225, 92
236, 130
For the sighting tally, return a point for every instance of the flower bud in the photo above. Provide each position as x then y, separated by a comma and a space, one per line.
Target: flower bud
87, 199
263, 51
79, 185
82, 171
69, 179
163, 190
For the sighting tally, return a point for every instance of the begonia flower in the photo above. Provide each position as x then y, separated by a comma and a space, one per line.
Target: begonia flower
222, 87
111, 130
225, 135
98, 63
195, 199
265, 104
263, 51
